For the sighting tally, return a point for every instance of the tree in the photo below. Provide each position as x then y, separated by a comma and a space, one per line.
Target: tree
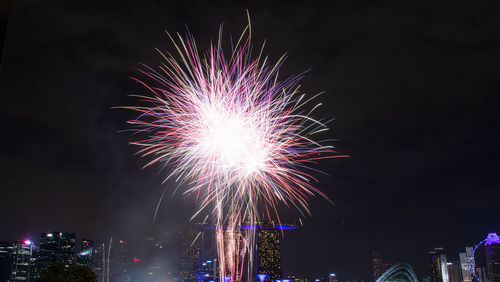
57, 272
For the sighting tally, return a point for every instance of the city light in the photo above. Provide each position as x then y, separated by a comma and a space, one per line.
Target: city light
492, 238
262, 277
27, 242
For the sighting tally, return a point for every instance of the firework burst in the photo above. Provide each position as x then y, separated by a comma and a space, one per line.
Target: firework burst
236, 135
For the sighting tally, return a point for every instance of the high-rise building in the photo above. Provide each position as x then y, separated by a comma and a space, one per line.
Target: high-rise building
208, 271
332, 277
56, 246
438, 265
454, 273
16, 261
99, 261
191, 244
49, 249
268, 252
66, 249
481, 274
378, 265
21, 260
84, 257
34, 270
6, 250
492, 250
157, 262
118, 266
467, 271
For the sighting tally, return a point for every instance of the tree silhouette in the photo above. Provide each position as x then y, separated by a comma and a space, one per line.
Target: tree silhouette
57, 272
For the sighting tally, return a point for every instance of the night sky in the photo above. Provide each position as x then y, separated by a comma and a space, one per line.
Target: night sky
414, 89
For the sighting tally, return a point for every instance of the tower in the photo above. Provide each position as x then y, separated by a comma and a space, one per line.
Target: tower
492, 250
6, 250
21, 260
99, 261
465, 264
191, 244
49, 244
66, 249
268, 252
84, 257
438, 265
56, 246
378, 265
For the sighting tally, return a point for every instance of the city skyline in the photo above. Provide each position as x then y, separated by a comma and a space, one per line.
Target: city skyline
29, 259
412, 88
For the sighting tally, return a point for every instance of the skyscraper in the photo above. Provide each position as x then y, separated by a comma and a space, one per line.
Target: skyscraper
98, 261
49, 249
157, 262
118, 266
268, 252
84, 257
191, 244
21, 260
208, 271
438, 265
481, 274
56, 246
34, 270
16, 261
492, 250
466, 269
6, 249
66, 250
378, 265
454, 273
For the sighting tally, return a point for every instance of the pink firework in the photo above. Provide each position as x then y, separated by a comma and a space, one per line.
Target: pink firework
237, 137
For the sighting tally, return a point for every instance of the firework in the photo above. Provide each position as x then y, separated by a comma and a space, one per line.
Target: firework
235, 135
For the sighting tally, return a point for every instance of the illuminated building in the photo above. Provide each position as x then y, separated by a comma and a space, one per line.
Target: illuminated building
268, 256
268, 252
118, 266
262, 277
67, 244
56, 246
492, 250
34, 271
21, 260
49, 249
398, 272
16, 261
99, 261
6, 250
84, 257
454, 274
156, 261
481, 274
232, 247
438, 265
465, 264
208, 271
191, 244
378, 265
332, 277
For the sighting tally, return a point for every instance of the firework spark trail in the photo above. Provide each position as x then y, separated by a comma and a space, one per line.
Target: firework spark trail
233, 132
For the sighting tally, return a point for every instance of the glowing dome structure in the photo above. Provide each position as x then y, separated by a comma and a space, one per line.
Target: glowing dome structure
399, 272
